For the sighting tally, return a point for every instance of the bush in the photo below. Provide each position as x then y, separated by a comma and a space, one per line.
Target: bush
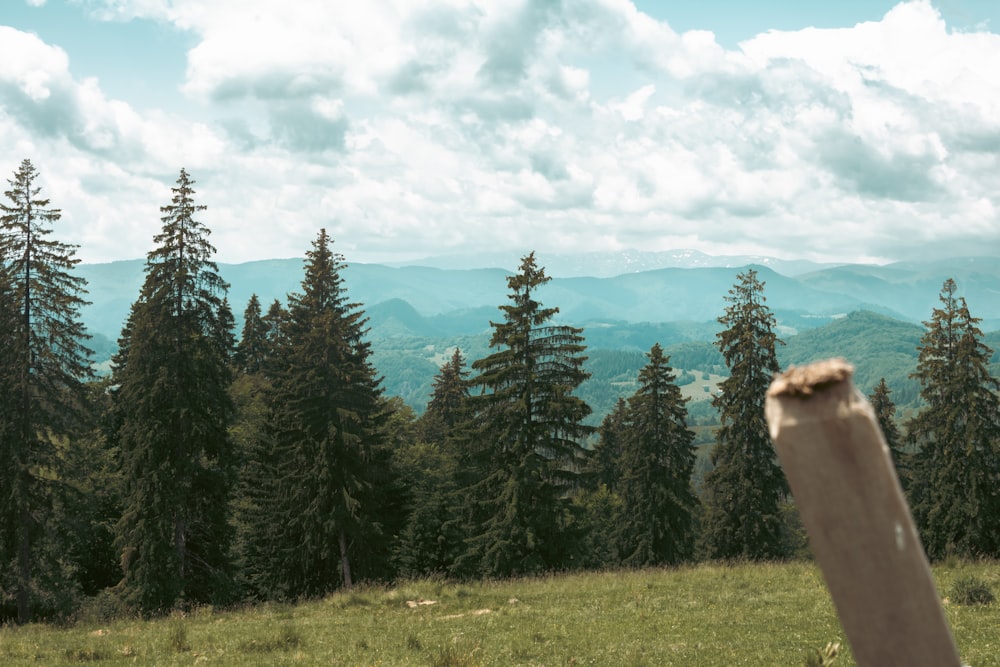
105, 606
969, 590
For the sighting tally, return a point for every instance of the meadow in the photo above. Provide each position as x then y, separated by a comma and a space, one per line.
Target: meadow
745, 614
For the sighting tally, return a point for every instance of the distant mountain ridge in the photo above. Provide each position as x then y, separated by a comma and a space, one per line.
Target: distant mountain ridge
454, 299
417, 315
614, 263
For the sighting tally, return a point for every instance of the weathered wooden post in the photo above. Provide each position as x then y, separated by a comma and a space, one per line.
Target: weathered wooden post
859, 525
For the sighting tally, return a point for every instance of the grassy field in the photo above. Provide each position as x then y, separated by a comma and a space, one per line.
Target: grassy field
704, 615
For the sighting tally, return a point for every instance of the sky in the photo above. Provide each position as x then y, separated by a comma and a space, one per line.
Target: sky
850, 131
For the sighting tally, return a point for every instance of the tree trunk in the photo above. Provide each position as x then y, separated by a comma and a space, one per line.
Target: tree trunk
345, 563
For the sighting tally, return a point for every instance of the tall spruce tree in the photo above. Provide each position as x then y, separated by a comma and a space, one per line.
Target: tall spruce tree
251, 351
885, 412
258, 543
955, 488
525, 437
173, 410
449, 399
604, 464
43, 362
326, 429
658, 501
274, 321
250, 436
431, 540
745, 489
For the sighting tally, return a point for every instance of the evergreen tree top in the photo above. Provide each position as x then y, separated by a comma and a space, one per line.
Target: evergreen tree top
180, 269
26, 221
323, 285
529, 277
450, 389
953, 358
46, 295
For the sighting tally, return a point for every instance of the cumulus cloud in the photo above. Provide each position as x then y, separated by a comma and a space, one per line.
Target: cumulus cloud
432, 126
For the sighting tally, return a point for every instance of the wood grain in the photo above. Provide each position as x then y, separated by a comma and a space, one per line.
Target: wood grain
859, 525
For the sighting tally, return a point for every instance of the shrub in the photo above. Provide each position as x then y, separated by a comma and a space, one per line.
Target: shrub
969, 590
105, 606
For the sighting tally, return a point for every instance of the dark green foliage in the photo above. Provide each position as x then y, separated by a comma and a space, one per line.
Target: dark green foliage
655, 468
523, 443
257, 533
449, 400
324, 446
256, 487
885, 412
42, 365
955, 478
173, 411
95, 495
431, 540
745, 489
605, 460
251, 352
256, 484
274, 327
597, 513
970, 590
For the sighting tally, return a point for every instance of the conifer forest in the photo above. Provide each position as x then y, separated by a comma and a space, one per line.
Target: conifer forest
216, 466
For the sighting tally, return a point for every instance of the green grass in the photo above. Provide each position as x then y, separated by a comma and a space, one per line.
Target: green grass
703, 615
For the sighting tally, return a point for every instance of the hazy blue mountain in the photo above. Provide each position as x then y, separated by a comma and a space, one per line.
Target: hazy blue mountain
417, 315
614, 263
912, 289
464, 301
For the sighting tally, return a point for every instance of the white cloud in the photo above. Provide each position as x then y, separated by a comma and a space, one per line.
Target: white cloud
632, 108
423, 127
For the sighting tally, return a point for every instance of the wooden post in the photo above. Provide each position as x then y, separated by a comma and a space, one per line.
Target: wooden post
859, 525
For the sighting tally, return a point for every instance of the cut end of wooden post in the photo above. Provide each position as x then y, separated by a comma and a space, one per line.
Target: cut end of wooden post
804, 381
860, 528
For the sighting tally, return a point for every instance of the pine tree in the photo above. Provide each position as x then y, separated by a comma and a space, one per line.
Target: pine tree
449, 399
955, 488
525, 437
327, 426
251, 352
43, 363
657, 461
173, 408
885, 412
273, 323
745, 489
431, 539
605, 460
259, 550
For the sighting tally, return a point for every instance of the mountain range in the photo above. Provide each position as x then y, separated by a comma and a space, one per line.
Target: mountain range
446, 299
417, 313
